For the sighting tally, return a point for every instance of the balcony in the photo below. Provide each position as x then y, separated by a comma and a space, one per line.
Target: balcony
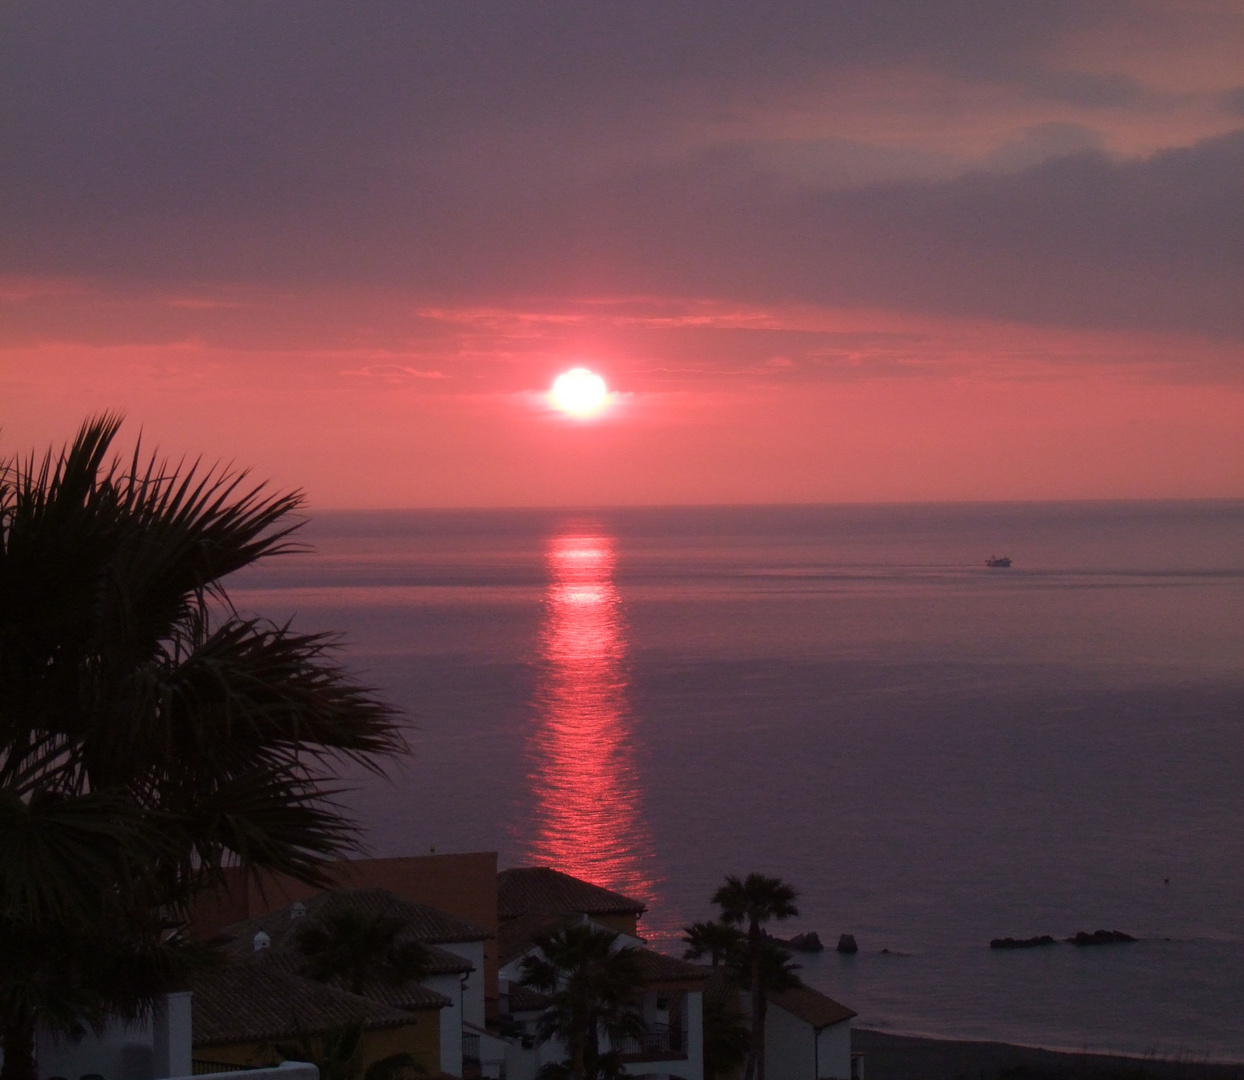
659, 1042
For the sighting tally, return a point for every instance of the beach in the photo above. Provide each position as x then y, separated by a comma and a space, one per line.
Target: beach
904, 1057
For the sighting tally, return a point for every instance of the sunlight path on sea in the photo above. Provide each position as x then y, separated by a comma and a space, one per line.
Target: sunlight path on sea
587, 814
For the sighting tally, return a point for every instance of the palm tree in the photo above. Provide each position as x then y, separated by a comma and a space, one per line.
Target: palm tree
150, 734
726, 1038
357, 949
594, 989
754, 901
338, 1054
716, 940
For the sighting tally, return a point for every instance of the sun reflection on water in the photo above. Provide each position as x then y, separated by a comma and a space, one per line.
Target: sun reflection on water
582, 775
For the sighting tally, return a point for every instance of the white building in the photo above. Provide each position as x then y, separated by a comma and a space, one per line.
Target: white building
453, 946
671, 1005
151, 1049
807, 1036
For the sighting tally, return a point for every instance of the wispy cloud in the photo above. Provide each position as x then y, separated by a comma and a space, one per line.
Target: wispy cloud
394, 373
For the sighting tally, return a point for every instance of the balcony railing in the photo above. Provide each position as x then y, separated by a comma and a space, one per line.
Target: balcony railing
657, 1041
470, 1049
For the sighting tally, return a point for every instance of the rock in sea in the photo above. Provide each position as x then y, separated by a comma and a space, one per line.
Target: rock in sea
809, 942
846, 944
1101, 937
1021, 943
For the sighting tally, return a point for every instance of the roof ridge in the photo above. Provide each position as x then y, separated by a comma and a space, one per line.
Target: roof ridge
535, 889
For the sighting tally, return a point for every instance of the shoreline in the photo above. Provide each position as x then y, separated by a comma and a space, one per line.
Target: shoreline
916, 1057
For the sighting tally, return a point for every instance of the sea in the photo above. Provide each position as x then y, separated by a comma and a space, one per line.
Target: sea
934, 752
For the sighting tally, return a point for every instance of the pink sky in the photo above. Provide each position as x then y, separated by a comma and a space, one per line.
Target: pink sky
839, 255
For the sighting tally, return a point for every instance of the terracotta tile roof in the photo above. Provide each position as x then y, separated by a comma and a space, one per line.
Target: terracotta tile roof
514, 936
525, 999
440, 961
256, 1001
443, 962
657, 967
811, 1006
426, 924
409, 995
541, 890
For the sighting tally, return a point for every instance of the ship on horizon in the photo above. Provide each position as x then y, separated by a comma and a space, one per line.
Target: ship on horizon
1002, 561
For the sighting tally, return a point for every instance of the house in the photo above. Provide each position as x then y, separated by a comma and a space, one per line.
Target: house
463, 885
453, 948
671, 1001
807, 1033
468, 1015
248, 1011
531, 891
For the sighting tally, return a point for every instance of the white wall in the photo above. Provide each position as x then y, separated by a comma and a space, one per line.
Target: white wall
794, 1051
513, 971
473, 1000
148, 1050
834, 1050
693, 1017
451, 1021
790, 1046
122, 1052
523, 1064
171, 1036
493, 1054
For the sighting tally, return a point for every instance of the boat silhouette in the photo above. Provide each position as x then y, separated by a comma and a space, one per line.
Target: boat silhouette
998, 561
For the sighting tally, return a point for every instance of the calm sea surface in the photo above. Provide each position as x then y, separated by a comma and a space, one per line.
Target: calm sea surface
933, 752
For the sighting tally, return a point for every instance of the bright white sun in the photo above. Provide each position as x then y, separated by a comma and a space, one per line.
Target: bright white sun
579, 392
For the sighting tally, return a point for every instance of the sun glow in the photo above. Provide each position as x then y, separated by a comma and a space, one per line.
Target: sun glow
579, 392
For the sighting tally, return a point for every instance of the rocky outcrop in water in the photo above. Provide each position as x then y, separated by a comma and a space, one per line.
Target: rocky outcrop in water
846, 944
1101, 937
1021, 943
809, 942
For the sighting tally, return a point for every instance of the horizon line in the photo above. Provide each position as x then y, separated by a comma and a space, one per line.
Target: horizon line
1203, 500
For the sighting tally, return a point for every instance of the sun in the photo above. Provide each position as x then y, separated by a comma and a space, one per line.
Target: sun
579, 392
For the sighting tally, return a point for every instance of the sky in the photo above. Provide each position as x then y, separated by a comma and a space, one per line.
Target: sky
820, 252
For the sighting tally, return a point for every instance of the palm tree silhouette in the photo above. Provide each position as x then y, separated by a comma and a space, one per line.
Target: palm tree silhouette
594, 989
716, 940
150, 734
726, 1038
754, 901
356, 949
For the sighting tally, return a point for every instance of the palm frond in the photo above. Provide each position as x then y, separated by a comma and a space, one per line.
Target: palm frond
68, 859
149, 735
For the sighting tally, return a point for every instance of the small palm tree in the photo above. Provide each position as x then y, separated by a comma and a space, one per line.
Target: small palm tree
150, 735
357, 949
754, 901
338, 1054
716, 940
594, 988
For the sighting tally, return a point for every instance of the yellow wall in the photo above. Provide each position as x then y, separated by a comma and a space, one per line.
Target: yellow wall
421, 1039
